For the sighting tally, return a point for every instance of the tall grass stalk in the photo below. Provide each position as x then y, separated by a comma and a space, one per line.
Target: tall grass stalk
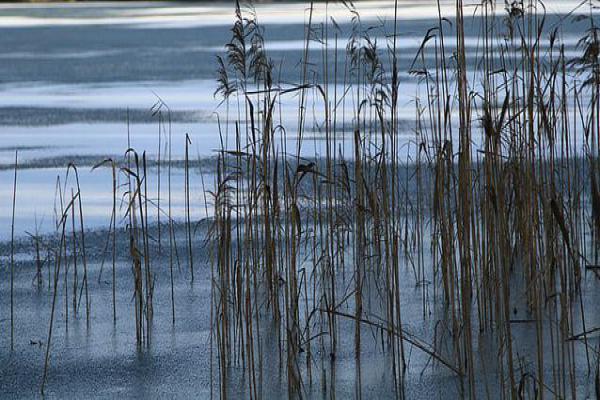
12, 256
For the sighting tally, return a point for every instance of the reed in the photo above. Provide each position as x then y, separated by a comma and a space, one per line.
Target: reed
188, 222
37, 242
172, 243
12, 256
84, 286
61, 226
112, 237
74, 240
139, 248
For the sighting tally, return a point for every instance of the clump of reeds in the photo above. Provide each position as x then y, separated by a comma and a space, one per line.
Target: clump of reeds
491, 188
495, 183
136, 212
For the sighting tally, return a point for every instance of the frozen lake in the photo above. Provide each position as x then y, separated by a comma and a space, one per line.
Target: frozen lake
81, 83
71, 75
